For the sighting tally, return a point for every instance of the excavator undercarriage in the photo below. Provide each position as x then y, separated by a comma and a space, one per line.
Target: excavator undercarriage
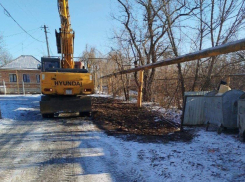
51, 105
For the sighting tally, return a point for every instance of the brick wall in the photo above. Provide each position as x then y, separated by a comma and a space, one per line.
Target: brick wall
31, 87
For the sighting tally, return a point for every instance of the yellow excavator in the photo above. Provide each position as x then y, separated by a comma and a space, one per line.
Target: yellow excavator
64, 87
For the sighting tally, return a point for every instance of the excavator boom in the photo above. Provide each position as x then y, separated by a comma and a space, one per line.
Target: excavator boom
65, 37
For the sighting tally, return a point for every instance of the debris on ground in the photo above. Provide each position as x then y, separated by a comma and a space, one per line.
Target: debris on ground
117, 117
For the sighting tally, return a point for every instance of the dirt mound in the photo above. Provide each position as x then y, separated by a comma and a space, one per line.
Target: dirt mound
117, 117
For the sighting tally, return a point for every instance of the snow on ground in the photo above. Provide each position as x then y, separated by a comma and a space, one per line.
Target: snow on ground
208, 157
100, 95
172, 114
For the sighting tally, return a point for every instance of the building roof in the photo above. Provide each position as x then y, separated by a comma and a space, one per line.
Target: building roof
22, 63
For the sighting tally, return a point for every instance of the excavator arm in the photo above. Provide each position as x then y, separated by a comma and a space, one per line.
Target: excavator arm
65, 36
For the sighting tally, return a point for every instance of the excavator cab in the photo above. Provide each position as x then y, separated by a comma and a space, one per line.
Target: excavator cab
50, 63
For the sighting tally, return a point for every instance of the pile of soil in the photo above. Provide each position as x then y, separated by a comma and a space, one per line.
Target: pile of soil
117, 117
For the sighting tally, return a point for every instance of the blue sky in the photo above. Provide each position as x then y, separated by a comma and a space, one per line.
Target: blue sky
90, 20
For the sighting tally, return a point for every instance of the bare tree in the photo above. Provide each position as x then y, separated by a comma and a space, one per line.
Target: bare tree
91, 59
224, 20
145, 33
122, 82
159, 29
5, 56
217, 23
174, 14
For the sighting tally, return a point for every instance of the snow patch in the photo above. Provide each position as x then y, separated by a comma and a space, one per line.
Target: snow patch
27, 109
100, 95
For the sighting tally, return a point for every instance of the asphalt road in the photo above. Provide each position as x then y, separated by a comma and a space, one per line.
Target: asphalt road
60, 149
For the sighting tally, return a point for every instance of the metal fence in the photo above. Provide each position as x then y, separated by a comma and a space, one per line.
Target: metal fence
20, 88
241, 118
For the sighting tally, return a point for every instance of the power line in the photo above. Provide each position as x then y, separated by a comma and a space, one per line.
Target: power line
21, 33
24, 41
24, 10
9, 15
27, 45
12, 47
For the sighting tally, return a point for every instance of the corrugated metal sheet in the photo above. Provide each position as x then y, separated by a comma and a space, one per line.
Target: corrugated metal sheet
241, 118
22, 62
196, 93
222, 109
194, 110
213, 111
212, 93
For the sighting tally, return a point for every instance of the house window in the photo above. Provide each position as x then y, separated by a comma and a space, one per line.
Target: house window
12, 78
26, 78
38, 78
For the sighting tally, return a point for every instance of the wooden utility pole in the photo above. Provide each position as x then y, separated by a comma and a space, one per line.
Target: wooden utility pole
228, 80
109, 86
101, 86
95, 80
112, 86
17, 79
139, 103
45, 31
101, 81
